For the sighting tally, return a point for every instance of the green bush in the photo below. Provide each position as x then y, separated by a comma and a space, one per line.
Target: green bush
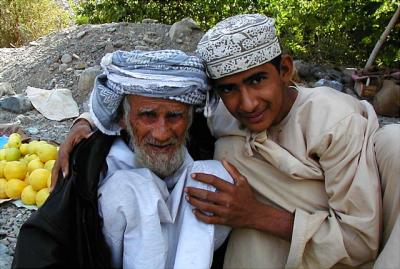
22, 21
341, 32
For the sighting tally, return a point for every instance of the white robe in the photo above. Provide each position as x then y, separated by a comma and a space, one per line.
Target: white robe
147, 221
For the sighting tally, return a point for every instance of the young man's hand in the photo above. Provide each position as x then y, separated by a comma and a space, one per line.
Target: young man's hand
235, 205
80, 130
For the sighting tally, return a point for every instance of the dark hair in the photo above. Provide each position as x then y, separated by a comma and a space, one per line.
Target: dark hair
277, 62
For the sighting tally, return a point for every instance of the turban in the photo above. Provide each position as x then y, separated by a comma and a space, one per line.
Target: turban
169, 74
237, 44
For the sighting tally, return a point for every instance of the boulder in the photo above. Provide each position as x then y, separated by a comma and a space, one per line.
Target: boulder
182, 29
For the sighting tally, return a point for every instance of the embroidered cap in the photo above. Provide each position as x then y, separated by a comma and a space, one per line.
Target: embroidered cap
237, 44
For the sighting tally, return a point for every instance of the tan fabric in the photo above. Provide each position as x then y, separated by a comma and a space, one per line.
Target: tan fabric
319, 162
387, 148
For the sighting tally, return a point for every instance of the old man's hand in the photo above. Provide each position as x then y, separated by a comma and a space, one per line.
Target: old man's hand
80, 130
231, 204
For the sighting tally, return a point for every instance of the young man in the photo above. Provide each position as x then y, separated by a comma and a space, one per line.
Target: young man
311, 161
308, 154
146, 221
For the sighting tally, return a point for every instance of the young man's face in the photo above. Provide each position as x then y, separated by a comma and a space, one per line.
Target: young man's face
257, 97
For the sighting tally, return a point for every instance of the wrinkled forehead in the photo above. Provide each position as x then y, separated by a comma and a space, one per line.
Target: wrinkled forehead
145, 103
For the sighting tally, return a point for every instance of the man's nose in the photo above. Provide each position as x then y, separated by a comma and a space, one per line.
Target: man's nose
248, 102
162, 130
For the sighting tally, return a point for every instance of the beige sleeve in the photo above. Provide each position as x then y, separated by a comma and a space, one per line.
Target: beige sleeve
84, 116
348, 233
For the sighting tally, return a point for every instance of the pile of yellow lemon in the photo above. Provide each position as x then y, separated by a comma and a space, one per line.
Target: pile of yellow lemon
25, 170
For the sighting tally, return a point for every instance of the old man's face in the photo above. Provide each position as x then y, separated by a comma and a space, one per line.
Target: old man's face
158, 128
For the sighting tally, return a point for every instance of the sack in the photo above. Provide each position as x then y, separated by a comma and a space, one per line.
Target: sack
387, 100
66, 231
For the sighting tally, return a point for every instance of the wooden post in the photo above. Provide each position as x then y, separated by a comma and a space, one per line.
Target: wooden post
381, 40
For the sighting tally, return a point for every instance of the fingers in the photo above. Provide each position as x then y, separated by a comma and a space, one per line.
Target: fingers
206, 206
235, 174
218, 183
209, 196
208, 219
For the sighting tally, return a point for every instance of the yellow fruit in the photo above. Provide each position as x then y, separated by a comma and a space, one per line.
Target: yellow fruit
38, 178
42, 196
28, 195
49, 181
49, 165
14, 141
24, 149
15, 169
3, 184
32, 146
46, 152
2, 164
14, 188
30, 157
12, 154
27, 178
34, 164
2, 154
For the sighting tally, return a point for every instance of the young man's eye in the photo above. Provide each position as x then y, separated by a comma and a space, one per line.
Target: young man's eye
224, 89
256, 80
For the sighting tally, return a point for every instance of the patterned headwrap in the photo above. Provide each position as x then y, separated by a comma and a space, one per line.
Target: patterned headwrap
169, 74
237, 44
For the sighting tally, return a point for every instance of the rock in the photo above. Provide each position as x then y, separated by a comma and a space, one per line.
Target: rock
16, 103
54, 66
76, 56
387, 101
80, 34
149, 21
86, 79
329, 83
62, 67
33, 43
109, 48
118, 43
80, 65
32, 130
303, 68
66, 58
6, 89
140, 47
182, 28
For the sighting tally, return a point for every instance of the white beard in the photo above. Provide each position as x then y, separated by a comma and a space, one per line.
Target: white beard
163, 165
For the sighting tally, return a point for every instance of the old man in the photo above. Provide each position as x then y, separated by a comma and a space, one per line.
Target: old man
146, 221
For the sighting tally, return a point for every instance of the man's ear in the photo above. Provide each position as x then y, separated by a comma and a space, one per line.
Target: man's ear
286, 68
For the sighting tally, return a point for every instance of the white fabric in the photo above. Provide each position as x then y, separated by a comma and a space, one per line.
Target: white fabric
56, 104
319, 163
145, 225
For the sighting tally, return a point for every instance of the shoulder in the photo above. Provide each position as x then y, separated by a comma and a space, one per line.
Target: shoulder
211, 167
325, 107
